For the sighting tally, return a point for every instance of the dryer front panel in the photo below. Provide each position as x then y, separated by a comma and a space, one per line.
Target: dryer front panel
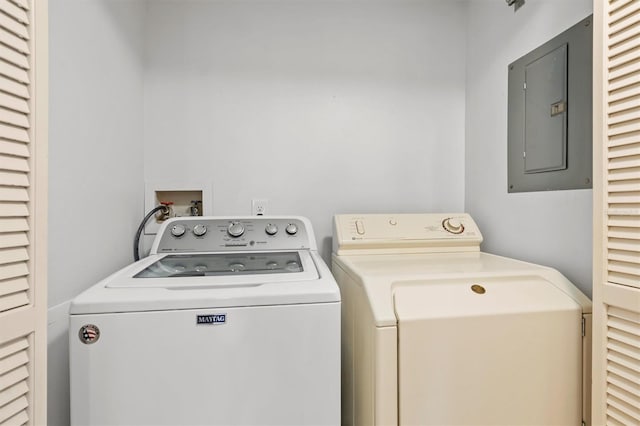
495, 351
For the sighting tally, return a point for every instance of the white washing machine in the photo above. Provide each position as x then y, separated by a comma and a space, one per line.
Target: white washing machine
229, 321
435, 332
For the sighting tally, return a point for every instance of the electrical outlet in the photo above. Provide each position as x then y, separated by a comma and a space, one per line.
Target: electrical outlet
259, 206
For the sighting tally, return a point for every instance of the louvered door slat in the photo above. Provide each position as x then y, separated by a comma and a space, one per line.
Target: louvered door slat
15, 239
13, 271
629, 149
13, 26
627, 233
22, 418
624, 27
631, 101
14, 408
624, 174
13, 301
13, 376
13, 210
13, 72
624, 138
626, 411
15, 149
616, 96
626, 52
13, 87
616, 5
625, 245
627, 221
624, 256
13, 286
623, 279
13, 392
623, 82
13, 133
14, 103
13, 163
14, 179
13, 255
22, 3
624, 354
621, 383
16, 12
14, 57
631, 197
14, 118
13, 194
627, 185
14, 224
626, 114
17, 43
625, 68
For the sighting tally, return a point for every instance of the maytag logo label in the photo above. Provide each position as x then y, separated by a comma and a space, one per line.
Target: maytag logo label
211, 319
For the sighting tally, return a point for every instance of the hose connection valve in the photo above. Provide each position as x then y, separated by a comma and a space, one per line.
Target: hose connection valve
166, 212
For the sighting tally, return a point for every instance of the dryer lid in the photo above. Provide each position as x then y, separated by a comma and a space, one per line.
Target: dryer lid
481, 297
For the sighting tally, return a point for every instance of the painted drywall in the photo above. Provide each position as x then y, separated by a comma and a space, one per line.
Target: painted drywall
552, 228
96, 159
321, 107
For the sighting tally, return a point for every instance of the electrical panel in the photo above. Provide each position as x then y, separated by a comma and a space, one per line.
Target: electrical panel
549, 114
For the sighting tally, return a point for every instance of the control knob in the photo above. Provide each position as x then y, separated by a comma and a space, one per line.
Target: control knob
453, 225
271, 229
235, 229
199, 230
291, 229
178, 230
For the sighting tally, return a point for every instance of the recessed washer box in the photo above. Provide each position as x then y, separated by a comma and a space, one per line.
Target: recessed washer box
181, 196
549, 114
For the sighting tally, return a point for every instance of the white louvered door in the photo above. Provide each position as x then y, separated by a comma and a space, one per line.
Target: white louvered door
23, 204
616, 287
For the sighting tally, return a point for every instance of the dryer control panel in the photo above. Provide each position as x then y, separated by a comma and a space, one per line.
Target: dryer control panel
222, 234
405, 233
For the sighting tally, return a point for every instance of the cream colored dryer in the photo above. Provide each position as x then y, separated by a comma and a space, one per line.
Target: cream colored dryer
436, 332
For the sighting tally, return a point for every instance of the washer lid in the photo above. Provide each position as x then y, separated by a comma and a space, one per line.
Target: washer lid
218, 269
122, 292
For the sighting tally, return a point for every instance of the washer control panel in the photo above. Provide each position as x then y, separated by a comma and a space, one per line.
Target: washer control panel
406, 233
215, 234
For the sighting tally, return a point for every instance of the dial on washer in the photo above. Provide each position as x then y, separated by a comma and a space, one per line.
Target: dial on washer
271, 229
199, 230
178, 230
291, 229
235, 229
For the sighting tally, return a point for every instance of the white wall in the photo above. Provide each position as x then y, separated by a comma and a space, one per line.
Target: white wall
552, 228
96, 159
322, 107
